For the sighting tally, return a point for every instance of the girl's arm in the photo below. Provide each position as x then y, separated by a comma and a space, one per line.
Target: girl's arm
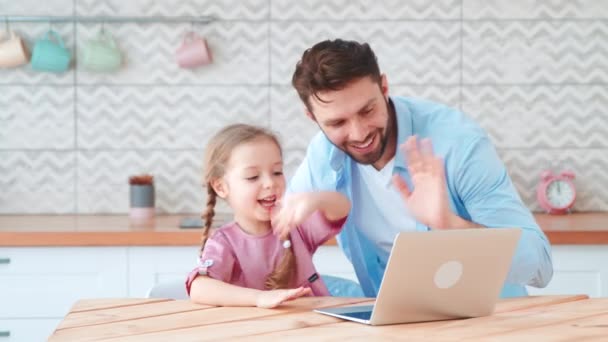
333, 205
298, 208
206, 290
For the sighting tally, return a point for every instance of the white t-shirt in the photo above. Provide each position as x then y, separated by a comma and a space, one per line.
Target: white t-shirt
381, 212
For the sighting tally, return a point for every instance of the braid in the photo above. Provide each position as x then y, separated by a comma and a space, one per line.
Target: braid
208, 215
281, 276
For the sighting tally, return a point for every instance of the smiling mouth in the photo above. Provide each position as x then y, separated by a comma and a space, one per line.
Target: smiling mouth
268, 202
365, 144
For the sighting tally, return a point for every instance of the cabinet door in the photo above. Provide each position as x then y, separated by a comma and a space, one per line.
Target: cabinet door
27, 330
45, 282
330, 260
577, 270
149, 266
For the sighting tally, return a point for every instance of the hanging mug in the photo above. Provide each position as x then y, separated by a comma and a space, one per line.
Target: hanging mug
193, 52
101, 53
50, 55
12, 51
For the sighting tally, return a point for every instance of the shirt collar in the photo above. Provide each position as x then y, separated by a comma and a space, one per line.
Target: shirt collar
337, 157
404, 130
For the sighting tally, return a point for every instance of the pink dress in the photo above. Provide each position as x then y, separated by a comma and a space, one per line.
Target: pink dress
235, 257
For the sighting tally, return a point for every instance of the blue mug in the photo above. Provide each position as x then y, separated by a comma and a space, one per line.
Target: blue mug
50, 55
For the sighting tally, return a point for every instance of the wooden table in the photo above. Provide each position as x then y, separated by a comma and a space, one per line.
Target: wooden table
563, 318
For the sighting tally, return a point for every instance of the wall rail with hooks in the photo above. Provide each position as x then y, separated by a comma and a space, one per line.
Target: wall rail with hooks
108, 19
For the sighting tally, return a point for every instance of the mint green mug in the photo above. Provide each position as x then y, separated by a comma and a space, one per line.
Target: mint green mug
50, 54
101, 53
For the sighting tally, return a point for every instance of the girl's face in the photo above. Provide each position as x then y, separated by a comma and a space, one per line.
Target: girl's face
253, 181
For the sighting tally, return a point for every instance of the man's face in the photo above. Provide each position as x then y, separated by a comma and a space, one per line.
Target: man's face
355, 119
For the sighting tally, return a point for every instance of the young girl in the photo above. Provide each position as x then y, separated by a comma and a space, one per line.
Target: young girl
264, 257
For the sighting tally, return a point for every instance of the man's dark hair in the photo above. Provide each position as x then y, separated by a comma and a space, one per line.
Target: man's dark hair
332, 65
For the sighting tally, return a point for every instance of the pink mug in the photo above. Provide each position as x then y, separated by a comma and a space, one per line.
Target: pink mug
193, 52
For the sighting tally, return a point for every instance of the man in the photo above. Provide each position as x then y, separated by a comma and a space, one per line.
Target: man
458, 181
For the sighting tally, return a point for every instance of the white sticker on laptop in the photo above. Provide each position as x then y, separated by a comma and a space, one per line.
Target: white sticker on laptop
448, 274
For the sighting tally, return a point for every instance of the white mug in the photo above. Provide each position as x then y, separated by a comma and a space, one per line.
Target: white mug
12, 51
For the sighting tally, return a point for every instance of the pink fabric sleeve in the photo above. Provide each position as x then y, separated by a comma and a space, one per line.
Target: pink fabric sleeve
219, 257
317, 229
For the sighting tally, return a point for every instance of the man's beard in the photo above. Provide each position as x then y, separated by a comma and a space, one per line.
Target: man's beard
373, 156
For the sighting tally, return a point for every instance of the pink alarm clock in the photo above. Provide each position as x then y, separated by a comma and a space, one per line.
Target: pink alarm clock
556, 193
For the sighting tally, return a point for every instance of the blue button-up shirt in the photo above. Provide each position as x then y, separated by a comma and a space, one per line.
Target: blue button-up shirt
478, 185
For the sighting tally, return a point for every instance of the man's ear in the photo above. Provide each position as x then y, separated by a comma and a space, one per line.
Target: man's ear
220, 187
384, 86
310, 115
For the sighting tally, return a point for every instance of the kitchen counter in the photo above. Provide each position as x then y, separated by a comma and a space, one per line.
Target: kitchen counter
117, 230
98, 230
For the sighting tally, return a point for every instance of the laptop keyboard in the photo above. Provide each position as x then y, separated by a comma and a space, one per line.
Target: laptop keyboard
365, 315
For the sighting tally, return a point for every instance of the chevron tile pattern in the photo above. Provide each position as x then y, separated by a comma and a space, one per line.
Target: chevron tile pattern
541, 116
534, 75
225, 9
449, 95
25, 75
103, 179
291, 160
528, 52
32, 7
37, 182
163, 117
288, 118
27, 123
589, 165
239, 49
530, 9
363, 9
409, 52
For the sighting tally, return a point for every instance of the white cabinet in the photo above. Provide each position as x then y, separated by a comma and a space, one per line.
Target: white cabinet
30, 330
39, 285
578, 269
330, 260
45, 282
153, 265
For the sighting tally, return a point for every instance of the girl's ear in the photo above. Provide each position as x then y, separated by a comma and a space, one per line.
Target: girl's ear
220, 187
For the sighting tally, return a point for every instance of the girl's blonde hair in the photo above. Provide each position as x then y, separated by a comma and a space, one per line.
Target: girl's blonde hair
217, 155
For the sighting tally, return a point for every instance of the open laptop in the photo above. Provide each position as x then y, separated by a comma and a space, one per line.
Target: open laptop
439, 275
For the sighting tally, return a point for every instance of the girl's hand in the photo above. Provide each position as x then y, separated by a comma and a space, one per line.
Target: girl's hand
273, 298
294, 210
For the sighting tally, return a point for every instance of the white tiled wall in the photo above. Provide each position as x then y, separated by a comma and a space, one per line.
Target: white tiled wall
533, 73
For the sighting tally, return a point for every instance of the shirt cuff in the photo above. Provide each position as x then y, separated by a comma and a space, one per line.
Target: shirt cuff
191, 276
336, 224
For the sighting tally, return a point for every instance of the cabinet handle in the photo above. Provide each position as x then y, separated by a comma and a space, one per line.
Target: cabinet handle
5, 261
5, 333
